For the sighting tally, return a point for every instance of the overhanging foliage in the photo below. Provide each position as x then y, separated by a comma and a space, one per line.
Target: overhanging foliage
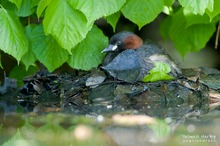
67, 32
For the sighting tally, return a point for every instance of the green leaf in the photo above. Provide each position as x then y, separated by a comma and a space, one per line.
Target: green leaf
165, 26
34, 3
87, 54
66, 25
197, 6
19, 72
113, 19
29, 58
192, 19
161, 129
168, 2
142, 12
26, 8
167, 8
17, 3
158, 73
9, 6
47, 50
95, 9
188, 39
42, 6
216, 10
13, 40
14, 140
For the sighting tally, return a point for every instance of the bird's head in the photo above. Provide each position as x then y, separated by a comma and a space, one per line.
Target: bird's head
123, 40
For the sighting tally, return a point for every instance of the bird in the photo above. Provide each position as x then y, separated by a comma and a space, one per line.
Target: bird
130, 59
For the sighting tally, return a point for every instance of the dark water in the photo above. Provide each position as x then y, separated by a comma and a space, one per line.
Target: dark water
67, 112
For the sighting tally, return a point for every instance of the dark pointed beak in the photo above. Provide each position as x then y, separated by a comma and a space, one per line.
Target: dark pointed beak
109, 48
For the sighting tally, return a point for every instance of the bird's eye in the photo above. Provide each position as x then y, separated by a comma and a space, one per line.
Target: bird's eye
118, 43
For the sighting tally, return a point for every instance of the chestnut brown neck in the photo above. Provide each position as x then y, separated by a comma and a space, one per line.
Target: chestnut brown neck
133, 42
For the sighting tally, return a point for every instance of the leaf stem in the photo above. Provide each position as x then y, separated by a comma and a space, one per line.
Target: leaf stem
217, 36
29, 20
